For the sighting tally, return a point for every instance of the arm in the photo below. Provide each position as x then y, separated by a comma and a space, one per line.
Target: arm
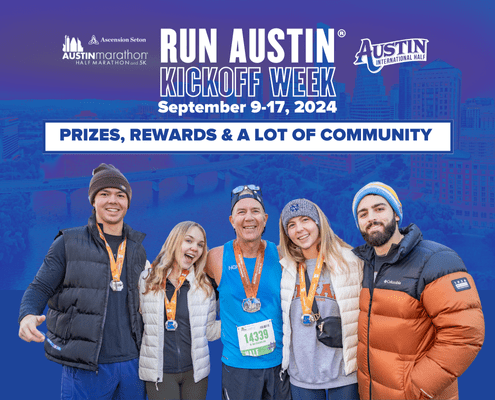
45, 284
214, 264
213, 327
459, 324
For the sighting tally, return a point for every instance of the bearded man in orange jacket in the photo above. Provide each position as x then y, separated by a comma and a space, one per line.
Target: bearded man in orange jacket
420, 322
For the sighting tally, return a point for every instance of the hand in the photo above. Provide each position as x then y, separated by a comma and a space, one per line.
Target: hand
28, 331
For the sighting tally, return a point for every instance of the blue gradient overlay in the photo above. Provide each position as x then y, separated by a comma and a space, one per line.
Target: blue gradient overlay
450, 197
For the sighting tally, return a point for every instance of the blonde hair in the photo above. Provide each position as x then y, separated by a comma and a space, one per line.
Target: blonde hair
170, 254
330, 245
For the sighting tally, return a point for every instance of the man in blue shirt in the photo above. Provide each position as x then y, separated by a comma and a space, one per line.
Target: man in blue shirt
248, 273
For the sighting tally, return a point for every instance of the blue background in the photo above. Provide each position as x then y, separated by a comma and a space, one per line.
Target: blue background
36, 85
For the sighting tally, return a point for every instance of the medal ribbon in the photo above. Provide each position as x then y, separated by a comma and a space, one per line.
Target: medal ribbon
115, 267
307, 301
251, 289
171, 306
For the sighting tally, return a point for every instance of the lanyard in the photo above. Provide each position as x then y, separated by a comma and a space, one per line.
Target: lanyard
171, 306
307, 301
251, 289
116, 267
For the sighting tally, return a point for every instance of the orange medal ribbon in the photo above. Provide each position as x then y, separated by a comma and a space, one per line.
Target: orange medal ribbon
307, 301
115, 266
250, 288
171, 306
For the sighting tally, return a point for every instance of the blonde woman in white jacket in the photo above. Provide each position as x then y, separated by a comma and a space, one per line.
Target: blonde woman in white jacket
318, 267
178, 305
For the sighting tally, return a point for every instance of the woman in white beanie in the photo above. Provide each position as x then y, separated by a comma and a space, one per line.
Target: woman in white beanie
321, 282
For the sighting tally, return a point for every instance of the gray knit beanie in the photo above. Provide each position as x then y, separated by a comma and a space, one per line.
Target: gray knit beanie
299, 208
107, 176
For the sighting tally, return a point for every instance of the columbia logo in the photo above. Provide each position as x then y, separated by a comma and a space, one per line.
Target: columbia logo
393, 282
461, 284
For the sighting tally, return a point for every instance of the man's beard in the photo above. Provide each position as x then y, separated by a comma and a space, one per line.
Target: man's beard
377, 238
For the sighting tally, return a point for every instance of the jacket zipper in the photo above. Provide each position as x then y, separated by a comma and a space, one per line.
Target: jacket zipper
371, 289
178, 349
104, 319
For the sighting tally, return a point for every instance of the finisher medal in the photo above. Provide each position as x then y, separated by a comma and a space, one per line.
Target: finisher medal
171, 305
115, 266
171, 325
116, 286
251, 304
308, 317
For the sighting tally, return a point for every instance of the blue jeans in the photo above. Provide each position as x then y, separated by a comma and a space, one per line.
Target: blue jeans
348, 392
116, 381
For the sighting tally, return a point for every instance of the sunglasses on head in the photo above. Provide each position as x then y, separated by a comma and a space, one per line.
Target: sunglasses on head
239, 189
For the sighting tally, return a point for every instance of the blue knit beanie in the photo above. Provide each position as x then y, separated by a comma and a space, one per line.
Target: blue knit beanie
380, 189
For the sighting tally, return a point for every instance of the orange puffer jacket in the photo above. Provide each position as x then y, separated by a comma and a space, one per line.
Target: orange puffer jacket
420, 322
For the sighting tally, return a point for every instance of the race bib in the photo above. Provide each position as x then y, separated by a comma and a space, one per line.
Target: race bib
256, 339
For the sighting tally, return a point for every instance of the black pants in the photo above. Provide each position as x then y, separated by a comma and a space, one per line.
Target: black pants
254, 384
178, 387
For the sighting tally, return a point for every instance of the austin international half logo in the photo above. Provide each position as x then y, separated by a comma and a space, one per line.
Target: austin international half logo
376, 56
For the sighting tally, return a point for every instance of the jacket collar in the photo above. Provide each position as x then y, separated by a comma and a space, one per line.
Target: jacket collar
412, 236
191, 276
289, 265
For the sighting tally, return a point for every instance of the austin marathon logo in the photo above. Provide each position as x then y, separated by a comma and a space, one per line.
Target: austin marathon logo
376, 56
73, 50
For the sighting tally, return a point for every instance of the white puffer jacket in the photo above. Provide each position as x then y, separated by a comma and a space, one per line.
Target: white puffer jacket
347, 288
204, 327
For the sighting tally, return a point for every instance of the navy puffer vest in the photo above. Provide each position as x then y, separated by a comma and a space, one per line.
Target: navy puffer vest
77, 311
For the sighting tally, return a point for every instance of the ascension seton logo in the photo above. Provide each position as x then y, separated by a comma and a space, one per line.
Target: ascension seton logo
376, 56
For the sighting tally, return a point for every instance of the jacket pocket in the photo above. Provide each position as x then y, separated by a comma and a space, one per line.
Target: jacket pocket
69, 317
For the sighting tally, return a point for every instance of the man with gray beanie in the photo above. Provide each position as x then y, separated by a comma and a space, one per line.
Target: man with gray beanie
89, 279
420, 323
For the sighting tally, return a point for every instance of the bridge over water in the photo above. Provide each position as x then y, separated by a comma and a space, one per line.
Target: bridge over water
69, 185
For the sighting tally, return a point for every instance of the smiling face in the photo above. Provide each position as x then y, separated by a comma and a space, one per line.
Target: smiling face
192, 247
248, 219
377, 220
111, 206
305, 234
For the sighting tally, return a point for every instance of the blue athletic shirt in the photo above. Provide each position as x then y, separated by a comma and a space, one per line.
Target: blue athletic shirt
232, 315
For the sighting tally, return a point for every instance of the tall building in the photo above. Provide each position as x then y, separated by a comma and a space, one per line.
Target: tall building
9, 136
406, 72
480, 143
437, 94
369, 100
464, 183
475, 113
394, 97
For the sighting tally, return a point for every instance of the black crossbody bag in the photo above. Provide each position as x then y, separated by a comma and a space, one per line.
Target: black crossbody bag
329, 329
